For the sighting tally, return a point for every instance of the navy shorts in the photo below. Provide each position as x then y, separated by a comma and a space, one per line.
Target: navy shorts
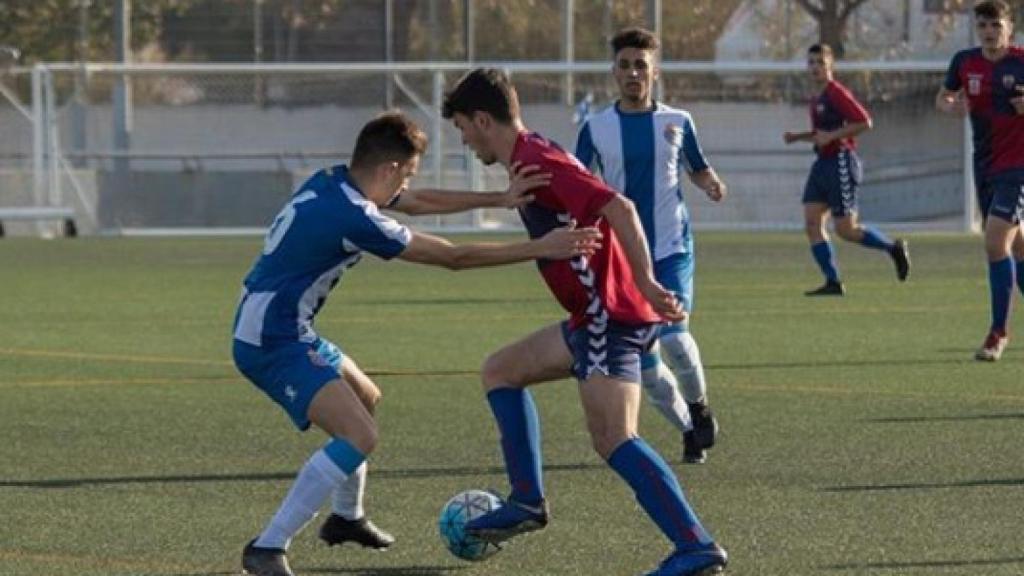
834, 181
612, 348
1004, 197
290, 373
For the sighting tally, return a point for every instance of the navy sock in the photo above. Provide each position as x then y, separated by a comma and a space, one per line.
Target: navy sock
516, 414
1000, 281
823, 256
875, 239
1020, 276
659, 493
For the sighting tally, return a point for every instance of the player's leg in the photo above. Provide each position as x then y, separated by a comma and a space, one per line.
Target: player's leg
815, 219
539, 357
1001, 229
1018, 256
312, 392
849, 228
680, 351
347, 521
611, 404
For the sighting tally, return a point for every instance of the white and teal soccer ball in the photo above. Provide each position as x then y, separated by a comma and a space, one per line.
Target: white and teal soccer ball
462, 508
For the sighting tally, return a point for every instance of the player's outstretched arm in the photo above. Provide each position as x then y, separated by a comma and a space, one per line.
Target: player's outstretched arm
622, 217
522, 180
559, 244
708, 181
791, 137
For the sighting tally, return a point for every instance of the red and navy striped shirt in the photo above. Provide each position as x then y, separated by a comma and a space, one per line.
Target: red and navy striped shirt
988, 86
834, 108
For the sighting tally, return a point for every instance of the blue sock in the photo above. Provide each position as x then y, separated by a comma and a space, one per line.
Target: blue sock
659, 493
1020, 276
1000, 282
344, 455
823, 256
516, 414
875, 239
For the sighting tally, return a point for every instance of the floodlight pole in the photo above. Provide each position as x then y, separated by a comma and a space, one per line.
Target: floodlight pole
568, 49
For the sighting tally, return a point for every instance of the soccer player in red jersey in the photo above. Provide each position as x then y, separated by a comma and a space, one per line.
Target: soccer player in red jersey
988, 82
615, 306
836, 119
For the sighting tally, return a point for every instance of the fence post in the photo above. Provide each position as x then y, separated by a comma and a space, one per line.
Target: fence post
38, 136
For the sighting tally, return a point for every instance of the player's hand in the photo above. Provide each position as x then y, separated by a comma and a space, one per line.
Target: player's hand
717, 190
664, 302
790, 137
1018, 100
956, 105
521, 180
569, 242
821, 138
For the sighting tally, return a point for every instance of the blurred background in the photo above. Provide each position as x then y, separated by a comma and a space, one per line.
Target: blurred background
200, 116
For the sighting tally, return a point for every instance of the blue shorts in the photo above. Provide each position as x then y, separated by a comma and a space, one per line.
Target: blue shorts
834, 181
291, 373
675, 273
613, 349
1005, 198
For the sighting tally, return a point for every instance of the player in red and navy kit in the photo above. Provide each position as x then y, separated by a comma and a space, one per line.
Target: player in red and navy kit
987, 82
836, 119
615, 306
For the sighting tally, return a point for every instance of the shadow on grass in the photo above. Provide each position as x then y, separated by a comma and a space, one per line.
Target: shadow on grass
393, 571
376, 475
963, 418
833, 363
927, 485
923, 565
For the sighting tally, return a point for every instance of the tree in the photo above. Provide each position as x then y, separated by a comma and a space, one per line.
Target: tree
832, 17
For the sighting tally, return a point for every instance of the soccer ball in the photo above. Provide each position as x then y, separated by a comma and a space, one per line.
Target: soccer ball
462, 508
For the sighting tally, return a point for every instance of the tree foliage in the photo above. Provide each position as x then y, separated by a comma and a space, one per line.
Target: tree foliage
832, 17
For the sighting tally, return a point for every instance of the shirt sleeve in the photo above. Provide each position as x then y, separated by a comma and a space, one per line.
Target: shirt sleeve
576, 191
953, 82
691, 155
378, 234
585, 150
847, 105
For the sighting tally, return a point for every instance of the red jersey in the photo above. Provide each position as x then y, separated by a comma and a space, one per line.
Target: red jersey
997, 129
831, 110
598, 286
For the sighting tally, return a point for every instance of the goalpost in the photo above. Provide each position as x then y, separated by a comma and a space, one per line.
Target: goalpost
215, 148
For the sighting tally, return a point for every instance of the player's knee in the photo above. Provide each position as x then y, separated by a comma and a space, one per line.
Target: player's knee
606, 441
814, 228
495, 373
848, 233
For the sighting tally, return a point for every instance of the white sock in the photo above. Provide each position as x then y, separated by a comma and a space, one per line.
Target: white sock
683, 357
347, 500
663, 392
311, 488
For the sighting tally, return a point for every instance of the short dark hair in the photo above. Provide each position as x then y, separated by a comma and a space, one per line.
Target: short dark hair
390, 137
483, 90
824, 49
638, 38
992, 9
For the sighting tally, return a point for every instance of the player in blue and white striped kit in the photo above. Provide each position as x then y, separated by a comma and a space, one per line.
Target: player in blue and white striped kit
320, 233
641, 148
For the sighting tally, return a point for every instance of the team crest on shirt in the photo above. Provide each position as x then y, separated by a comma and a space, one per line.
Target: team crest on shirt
820, 108
1009, 81
974, 84
673, 134
316, 358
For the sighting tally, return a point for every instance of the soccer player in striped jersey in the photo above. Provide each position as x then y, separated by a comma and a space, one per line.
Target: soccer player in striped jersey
641, 148
323, 231
836, 119
615, 306
987, 82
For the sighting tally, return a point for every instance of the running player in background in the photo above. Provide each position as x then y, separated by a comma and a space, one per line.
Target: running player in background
320, 233
615, 306
836, 119
987, 82
641, 148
